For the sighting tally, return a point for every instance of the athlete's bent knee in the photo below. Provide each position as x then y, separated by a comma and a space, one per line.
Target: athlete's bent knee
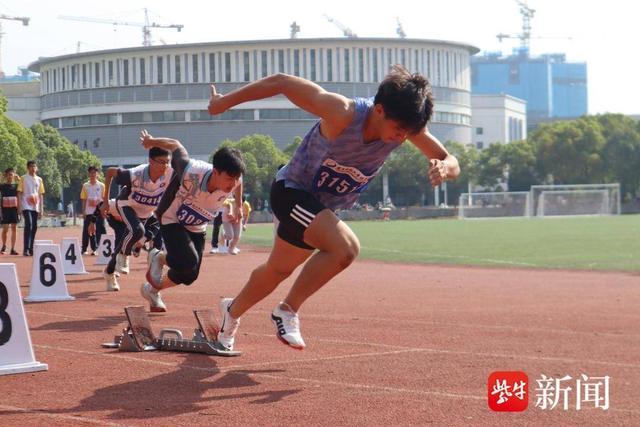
348, 253
183, 277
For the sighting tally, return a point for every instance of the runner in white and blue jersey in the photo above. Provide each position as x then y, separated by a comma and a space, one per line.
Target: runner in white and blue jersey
336, 161
141, 189
196, 192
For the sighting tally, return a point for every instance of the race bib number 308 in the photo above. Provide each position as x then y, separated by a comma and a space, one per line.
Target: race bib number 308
188, 216
339, 180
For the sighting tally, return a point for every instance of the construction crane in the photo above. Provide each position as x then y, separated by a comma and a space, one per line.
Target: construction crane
399, 30
146, 25
25, 22
295, 29
525, 37
346, 31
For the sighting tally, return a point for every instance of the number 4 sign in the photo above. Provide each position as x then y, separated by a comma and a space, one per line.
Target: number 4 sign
72, 262
16, 352
47, 277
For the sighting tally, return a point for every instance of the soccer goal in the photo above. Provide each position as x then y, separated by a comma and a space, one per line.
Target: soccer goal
492, 205
577, 199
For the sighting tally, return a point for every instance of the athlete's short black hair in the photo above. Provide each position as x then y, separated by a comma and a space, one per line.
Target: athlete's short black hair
406, 98
229, 160
158, 152
9, 169
31, 163
92, 169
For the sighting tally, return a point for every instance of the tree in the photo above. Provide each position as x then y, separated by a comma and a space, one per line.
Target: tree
622, 152
291, 148
48, 170
570, 152
262, 158
72, 163
520, 160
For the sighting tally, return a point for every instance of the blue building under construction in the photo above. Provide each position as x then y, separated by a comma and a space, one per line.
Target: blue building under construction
553, 88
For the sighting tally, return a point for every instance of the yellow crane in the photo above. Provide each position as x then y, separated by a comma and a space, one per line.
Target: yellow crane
146, 25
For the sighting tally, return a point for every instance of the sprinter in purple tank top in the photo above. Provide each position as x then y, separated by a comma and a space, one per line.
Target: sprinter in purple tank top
333, 165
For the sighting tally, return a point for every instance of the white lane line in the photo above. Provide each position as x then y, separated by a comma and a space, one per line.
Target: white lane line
44, 413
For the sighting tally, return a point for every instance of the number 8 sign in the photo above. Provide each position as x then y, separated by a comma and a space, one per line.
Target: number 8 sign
16, 352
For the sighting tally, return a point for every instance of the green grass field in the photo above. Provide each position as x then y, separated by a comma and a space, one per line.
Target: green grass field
590, 243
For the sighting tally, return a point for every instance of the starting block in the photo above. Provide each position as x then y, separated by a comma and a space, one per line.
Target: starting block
138, 335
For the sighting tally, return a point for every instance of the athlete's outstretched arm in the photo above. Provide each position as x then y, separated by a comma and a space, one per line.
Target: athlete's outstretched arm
442, 165
336, 110
149, 142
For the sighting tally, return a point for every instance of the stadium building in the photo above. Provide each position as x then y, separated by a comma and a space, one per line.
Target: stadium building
101, 100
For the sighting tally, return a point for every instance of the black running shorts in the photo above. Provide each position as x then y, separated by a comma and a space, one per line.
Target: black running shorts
295, 209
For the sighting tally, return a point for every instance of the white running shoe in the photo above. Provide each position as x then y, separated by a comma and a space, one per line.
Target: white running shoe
287, 326
227, 334
122, 263
154, 273
234, 251
150, 255
151, 294
112, 281
213, 251
223, 250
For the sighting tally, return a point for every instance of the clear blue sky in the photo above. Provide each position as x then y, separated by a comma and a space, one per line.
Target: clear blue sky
604, 34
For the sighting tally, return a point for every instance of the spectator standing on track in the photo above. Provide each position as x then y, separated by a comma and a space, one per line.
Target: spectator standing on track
91, 196
31, 203
10, 216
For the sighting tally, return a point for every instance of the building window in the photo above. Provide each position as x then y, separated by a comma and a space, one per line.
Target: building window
143, 72
194, 69
296, 62
246, 65
479, 145
479, 131
160, 69
312, 60
284, 114
212, 67
84, 75
64, 78
227, 66
330, 65
55, 80
110, 67
360, 65
514, 73
346, 66
447, 69
263, 66
178, 74
374, 64
281, 60
126, 72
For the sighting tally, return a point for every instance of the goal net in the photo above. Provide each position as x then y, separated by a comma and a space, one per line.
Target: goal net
491, 205
584, 199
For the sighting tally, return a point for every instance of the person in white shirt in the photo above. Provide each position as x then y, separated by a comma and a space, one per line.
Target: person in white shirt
141, 189
31, 203
91, 195
197, 190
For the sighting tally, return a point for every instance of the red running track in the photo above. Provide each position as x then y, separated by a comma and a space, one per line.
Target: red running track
388, 344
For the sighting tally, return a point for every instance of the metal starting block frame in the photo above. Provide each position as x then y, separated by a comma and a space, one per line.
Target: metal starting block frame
138, 335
